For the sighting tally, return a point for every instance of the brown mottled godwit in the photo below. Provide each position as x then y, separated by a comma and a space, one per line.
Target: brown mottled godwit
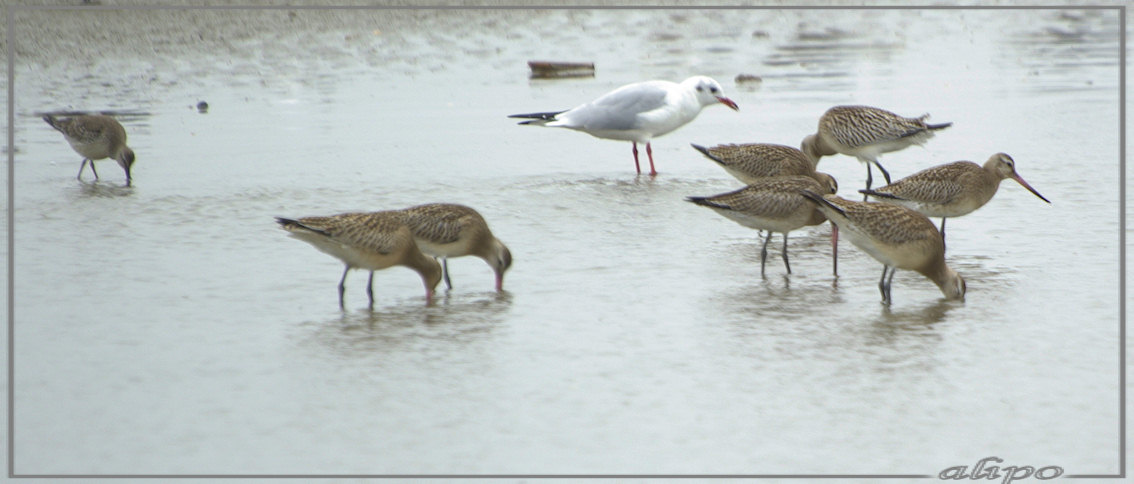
752, 161
447, 230
865, 133
952, 189
896, 236
773, 204
638, 112
370, 241
96, 137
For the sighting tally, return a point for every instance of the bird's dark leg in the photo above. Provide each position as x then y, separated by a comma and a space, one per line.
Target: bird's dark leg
445, 272
835, 249
942, 232
885, 174
370, 289
889, 282
764, 252
636, 165
784, 252
650, 154
884, 283
342, 287
83, 166
869, 180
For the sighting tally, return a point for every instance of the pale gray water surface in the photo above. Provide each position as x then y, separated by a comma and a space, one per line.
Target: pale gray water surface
173, 328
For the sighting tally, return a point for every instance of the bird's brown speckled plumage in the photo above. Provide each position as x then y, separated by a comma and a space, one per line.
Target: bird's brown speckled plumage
370, 241
898, 237
750, 161
96, 137
450, 230
858, 126
774, 204
377, 232
754, 161
953, 189
866, 133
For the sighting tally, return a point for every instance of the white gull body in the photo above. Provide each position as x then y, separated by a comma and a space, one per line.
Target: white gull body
638, 112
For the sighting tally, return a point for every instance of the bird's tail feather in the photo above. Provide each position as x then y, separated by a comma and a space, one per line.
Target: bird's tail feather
880, 194
538, 119
815, 197
932, 127
705, 151
53, 122
705, 202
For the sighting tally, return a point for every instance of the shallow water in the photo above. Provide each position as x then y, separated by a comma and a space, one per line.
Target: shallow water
171, 327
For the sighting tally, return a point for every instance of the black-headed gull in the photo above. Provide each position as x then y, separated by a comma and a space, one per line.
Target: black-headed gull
638, 112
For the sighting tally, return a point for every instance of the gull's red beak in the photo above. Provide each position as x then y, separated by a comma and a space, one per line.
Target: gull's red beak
728, 102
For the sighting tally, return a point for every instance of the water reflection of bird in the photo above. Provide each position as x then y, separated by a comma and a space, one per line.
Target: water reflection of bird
773, 204
865, 133
447, 230
896, 236
638, 112
753, 161
370, 241
952, 189
96, 137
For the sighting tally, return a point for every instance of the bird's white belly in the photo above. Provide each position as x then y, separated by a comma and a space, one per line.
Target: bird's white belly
765, 223
351, 256
890, 256
867, 244
635, 135
95, 150
454, 249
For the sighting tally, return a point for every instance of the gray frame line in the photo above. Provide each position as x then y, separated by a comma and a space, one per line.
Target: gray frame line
490, 476
11, 258
574, 7
11, 140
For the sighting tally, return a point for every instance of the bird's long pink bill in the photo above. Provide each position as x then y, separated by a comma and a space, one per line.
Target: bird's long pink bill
728, 102
1029, 187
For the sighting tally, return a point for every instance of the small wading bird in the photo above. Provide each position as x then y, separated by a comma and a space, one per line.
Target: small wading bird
865, 133
370, 241
773, 204
638, 112
445, 230
897, 237
952, 189
96, 137
753, 161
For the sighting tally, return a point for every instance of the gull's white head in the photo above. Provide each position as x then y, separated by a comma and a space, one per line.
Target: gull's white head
708, 91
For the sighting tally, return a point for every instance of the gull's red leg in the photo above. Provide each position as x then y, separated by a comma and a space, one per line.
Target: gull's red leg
650, 153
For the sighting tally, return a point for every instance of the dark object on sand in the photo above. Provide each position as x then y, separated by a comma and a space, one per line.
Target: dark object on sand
551, 70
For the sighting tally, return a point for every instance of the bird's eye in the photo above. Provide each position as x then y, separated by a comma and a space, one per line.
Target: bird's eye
713, 90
